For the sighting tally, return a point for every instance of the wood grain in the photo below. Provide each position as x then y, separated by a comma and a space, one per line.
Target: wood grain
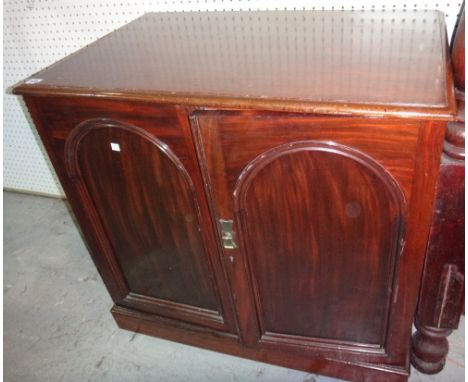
229, 145
145, 199
363, 63
443, 281
318, 134
56, 127
322, 243
326, 364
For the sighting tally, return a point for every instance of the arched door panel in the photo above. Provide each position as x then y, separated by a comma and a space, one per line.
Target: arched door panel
145, 203
321, 244
311, 212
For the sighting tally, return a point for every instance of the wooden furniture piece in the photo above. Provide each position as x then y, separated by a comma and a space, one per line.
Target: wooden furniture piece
261, 183
443, 287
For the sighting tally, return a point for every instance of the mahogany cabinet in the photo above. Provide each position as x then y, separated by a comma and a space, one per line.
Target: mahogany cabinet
260, 184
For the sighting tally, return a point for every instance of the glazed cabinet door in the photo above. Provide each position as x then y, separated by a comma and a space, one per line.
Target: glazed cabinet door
131, 176
318, 210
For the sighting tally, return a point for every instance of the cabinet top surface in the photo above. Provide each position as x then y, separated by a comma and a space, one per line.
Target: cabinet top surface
312, 61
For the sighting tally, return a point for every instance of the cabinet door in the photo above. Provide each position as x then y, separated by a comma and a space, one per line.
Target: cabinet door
318, 206
143, 207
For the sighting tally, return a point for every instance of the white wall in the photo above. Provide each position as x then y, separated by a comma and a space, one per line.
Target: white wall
38, 33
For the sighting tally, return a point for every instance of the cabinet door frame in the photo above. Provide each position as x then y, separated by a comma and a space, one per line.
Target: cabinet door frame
409, 263
140, 117
156, 305
240, 210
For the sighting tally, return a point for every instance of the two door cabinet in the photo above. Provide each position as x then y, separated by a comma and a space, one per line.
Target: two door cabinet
261, 183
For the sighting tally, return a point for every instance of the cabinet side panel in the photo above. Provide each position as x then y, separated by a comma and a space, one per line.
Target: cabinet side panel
111, 275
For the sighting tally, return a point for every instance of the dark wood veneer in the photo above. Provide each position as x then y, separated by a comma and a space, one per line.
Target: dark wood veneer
443, 283
359, 63
146, 203
323, 239
326, 173
322, 205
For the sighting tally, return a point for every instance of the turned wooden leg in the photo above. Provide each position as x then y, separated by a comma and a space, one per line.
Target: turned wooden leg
441, 298
429, 347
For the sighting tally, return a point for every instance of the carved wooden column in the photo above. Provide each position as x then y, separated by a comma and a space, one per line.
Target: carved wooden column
442, 291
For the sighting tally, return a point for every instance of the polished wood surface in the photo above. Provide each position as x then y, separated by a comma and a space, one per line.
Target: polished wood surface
312, 173
330, 364
271, 199
441, 300
145, 199
230, 131
322, 243
443, 285
366, 62
124, 219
